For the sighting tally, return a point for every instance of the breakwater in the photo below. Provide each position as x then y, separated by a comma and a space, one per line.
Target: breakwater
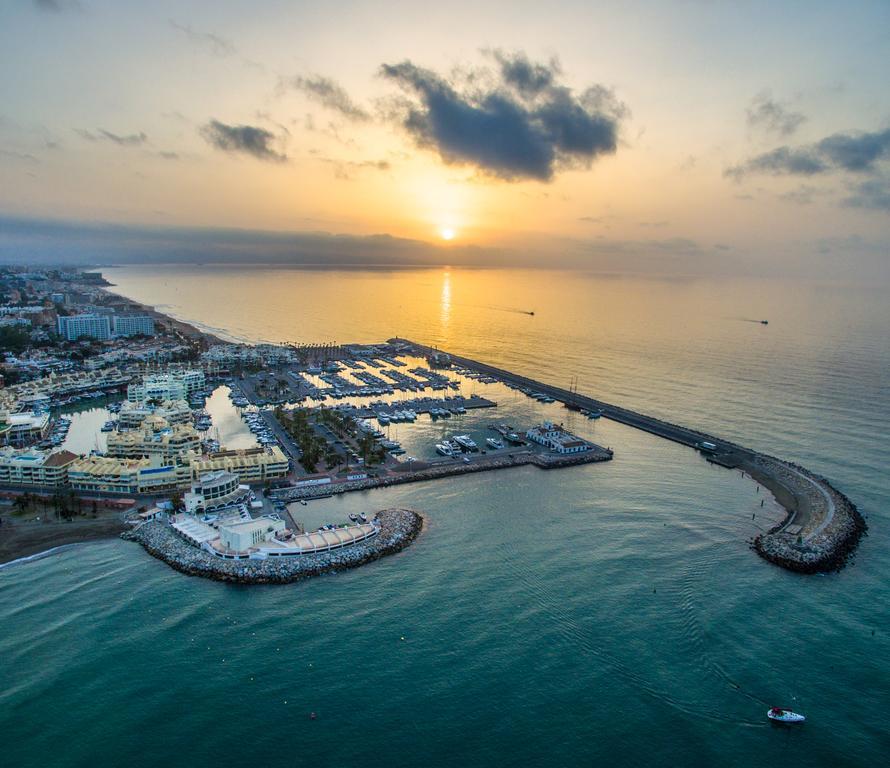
398, 528
822, 527
519, 458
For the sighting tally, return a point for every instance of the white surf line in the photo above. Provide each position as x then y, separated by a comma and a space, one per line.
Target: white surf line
39, 555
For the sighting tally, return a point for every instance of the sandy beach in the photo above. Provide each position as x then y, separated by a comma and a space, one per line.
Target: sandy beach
21, 539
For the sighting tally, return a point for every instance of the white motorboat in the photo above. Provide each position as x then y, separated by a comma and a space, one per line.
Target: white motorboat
466, 442
444, 449
781, 715
492, 442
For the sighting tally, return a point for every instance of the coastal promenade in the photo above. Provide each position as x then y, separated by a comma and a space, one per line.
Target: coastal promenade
822, 527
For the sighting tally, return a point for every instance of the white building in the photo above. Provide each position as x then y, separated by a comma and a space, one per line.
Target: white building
251, 465
32, 467
556, 438
155, 437
133, 325
174, 411
166, 386
23, 428
215, 490
132, 476
73, 327
239, 537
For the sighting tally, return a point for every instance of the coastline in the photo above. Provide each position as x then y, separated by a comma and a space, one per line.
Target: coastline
817, 535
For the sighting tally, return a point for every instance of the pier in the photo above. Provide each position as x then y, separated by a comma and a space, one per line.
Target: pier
822, 526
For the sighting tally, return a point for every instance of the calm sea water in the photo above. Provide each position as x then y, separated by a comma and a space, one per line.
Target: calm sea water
609, 613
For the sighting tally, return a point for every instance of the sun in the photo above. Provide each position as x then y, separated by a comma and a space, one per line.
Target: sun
447, 233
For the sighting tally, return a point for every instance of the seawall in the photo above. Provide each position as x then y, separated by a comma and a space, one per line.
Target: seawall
518, 458
398, 528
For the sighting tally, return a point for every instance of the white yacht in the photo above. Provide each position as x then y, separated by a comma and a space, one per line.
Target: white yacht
466, 442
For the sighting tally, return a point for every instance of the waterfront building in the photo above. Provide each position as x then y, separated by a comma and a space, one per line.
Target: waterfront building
33, 467
241, 536
155, 437
73, 327
179, 385
61, 385
133, 325
213, 491
556, 438
173, 411
24, 428
251, 465
107, 474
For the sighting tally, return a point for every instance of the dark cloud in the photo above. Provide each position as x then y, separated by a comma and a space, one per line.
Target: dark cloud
528, 77
246, 139
328, 93
772, 116
128, 140
872, 194
855, 152
218, 46
780, 161
515, 124
851, 152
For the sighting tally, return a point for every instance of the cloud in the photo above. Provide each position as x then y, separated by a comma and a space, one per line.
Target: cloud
128, 140
872, 194
166, 155
344, 169
328, 93
803, 195
779, 161
529, 78
246, 139
772, 116
517, 123
850, 152
55, 6
218, 46
23, 156
856, 152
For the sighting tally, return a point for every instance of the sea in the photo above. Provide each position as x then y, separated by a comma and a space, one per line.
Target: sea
610, 614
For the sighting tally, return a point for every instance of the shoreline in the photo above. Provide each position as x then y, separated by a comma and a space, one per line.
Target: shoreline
21, 541
399, 528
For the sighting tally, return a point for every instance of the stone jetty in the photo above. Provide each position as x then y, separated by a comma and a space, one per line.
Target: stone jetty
822, 528
398, 528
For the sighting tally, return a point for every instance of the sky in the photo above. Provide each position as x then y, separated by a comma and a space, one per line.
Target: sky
649, 136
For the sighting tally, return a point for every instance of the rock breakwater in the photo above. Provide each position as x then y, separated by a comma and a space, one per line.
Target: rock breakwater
398, 528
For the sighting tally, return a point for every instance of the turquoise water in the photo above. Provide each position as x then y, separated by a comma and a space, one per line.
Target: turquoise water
608, 613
